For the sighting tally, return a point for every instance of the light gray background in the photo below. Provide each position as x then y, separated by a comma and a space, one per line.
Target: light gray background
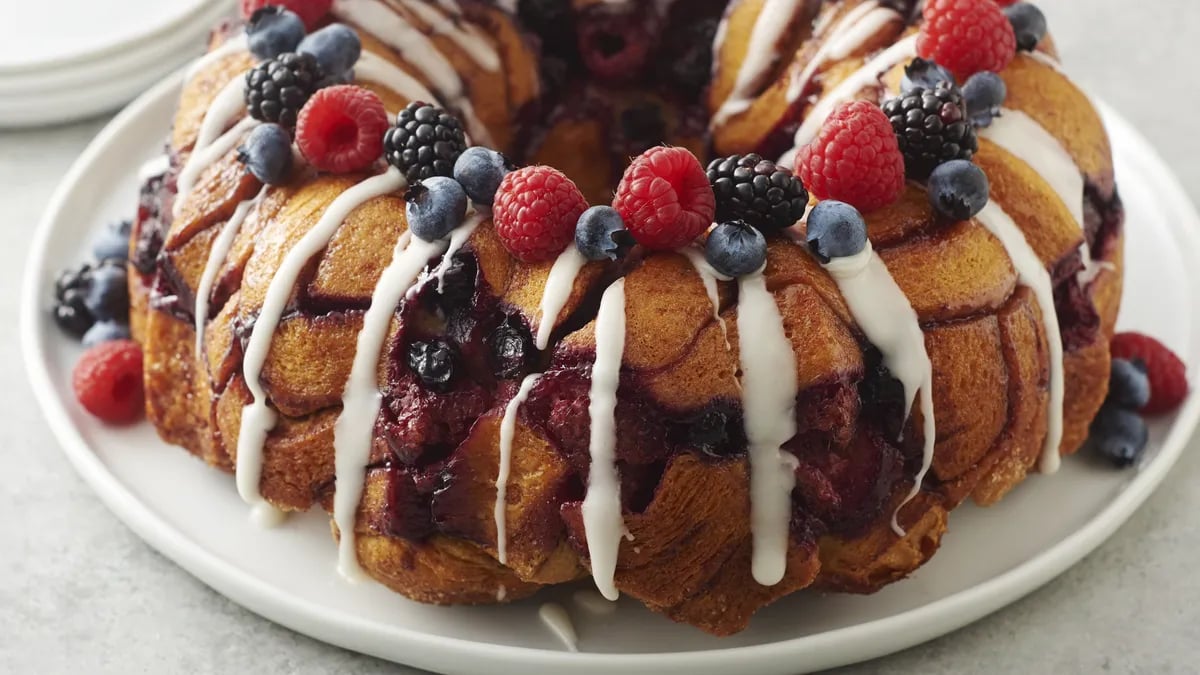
80, 593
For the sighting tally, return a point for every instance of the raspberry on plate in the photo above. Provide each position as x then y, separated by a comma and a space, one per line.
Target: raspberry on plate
108, 381
1168, 375
855, 158
665, 198
535, 213
341, 129
966, 36
311, 11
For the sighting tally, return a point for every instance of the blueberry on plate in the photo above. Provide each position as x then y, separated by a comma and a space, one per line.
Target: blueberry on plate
1119, 435
598, 233
479, 171
984, 93
435, 207
107, 295
105, 331
267, 153
274, 30
735, 249
113, 242
836, 230
1028, 23
71, 313
336, 48
1128, 384
958, 189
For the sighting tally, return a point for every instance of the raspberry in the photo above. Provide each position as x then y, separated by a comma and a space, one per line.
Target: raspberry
665, 198
341, 129
1168, 375
855, 159
966, 36
535, 213
108, 381
310, 11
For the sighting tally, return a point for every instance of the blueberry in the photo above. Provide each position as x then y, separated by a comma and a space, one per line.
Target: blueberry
512, 348
267, 153
105, 331
107, 296
1119, 435
958, 189
836, 230
924, 74
984, 93
1128, 384
113, 242
480, 171
274, 30
1028, 23
71, 313
435, 207
336, 48
596, 233
72, 279
736, 249
433, 362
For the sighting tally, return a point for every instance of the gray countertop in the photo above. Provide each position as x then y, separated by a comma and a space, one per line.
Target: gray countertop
80, 593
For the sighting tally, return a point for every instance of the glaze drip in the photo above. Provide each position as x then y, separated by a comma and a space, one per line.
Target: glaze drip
508, 427
216, 258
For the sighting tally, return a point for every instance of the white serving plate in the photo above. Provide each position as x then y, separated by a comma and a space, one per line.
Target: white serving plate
989, 558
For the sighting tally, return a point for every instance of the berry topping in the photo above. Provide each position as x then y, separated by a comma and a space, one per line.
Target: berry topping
512, 348
276, 90
433, 362
1119, 435
736, 249
535, 212
931, 127
425, 142
113, 241
601, 234
341, 129
665, 198
480, 171
1168, 375
690, 68
310, 11
836, 230
966, 36
1128, 384
267, 153
614, 44
435, 207
958, 189
757, 191
1028, 23
924, 74
855, 158
105, 331
274, 30
983, 94
108, 381
107, 292
336, 48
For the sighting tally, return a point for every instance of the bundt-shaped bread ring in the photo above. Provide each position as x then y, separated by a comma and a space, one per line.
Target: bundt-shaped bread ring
278, 323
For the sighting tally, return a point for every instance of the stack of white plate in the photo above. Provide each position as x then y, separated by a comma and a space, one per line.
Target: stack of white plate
68, 59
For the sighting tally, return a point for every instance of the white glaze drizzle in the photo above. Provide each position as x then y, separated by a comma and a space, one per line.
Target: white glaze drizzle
559, 285
216, 258
257, 418
709, 277
374, 68
1028, 141
1032, 273
769, 28
458, 238
204, 154
889, 322
769, 390
554, 616
237, 43
154, 168
470, 41
849, 33
1044, 59
602, 520
508, 428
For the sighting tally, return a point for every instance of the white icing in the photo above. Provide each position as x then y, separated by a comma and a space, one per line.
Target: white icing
769, 28
592, 602
850, 32
154, 168
458, 239
501, 593
1032, 273
257, 418
709, 277
559, 285
215, 138
372, 68
508, 427
769, 390
238, 43
602, 521
889, 322
555, 617
1028, 141
216, 258
477, 46
1044, 59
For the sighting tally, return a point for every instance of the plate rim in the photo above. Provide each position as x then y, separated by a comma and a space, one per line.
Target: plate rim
872, 639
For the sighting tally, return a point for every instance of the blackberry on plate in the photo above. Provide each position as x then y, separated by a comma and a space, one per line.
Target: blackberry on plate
425, 142
757, 191
276, 90
931, 126
71, 313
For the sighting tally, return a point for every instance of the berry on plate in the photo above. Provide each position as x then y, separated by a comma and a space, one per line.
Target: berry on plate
855, 158
665, 198
836, 230
757, 191
1029, 25
1119, 435
1128, 384
105, 331
958, 189
309, 11
341, 129
336, 48
425, 142
71, 313
966, 36
113, 241
107, 292
1167, 374
267, 153
931, 128
535, 213
480, 171
276, 90
598, 234
435, 207
735, 249
983, 94
108, 381
274, 30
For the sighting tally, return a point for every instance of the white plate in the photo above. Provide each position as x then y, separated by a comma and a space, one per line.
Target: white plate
990, 558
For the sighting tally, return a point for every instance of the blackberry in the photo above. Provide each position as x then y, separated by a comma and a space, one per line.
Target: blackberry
425, 142
757, 191
932, 128
434, 362
276, 90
